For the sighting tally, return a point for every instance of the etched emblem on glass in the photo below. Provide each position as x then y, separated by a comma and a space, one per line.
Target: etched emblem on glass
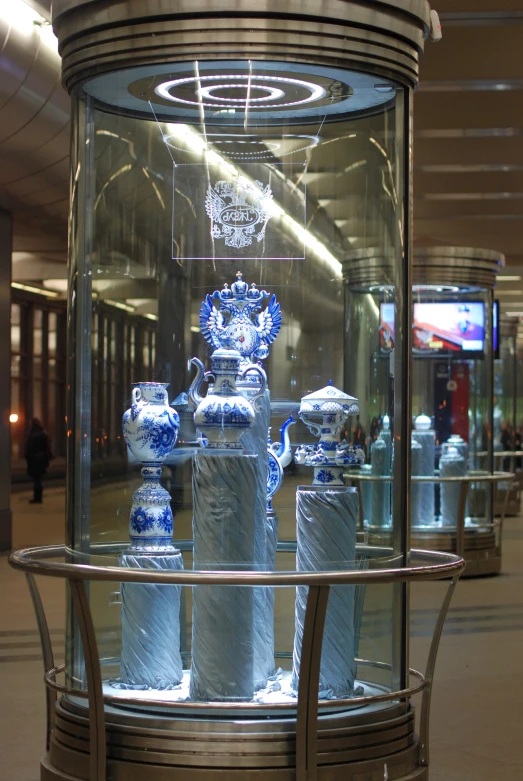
239, 211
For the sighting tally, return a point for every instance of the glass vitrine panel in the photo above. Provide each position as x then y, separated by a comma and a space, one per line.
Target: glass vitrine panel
192, 178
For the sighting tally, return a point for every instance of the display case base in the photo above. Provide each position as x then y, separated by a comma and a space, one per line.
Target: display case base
482, 552
353, 745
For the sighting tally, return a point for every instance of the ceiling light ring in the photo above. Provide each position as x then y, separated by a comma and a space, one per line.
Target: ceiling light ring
274, 93
316, 92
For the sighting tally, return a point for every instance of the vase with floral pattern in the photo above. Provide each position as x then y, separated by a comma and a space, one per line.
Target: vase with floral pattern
150, 429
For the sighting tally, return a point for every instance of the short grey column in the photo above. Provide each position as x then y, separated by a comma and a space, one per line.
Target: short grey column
224, 498
151, 656
327, 520
451, 464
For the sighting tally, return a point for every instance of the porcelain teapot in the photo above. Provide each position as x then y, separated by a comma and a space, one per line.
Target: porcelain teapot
224, 414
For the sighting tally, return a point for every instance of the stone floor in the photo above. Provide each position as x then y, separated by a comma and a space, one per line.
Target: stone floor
476, 732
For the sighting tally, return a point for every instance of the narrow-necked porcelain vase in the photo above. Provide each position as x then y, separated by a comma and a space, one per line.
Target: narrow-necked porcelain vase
150, 426
150, 429
224, 414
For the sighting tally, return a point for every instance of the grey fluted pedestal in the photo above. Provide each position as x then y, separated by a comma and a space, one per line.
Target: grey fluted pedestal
151, 656
327, 520
254, 440
224, 497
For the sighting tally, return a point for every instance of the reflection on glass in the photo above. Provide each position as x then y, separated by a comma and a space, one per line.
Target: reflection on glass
281, 173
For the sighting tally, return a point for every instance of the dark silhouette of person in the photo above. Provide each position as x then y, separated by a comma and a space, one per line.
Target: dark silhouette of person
38, 456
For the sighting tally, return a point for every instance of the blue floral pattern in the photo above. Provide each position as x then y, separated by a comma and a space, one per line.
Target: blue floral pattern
141, 520
162, 437
165, 520
324, 476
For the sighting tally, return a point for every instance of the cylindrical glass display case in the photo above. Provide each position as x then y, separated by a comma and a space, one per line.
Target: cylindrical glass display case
452, 392
226, 161
507, 439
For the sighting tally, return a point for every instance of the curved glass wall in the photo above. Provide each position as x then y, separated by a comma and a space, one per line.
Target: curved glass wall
235, 180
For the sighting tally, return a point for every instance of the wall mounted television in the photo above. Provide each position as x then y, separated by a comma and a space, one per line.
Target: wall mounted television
440, 328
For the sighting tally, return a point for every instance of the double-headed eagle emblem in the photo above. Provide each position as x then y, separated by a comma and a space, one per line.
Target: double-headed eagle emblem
236, 209
232, 318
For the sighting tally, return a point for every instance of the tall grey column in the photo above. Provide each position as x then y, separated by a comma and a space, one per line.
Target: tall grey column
451, 464
327, 520
224, 491
254, 440
6, 248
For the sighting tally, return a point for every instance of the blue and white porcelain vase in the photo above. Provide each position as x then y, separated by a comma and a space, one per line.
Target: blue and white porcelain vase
323, 412
150, 426
150, 429
279, 455
224, 414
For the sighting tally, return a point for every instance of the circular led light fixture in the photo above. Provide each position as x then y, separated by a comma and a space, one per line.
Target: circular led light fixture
381, 289
274, 93
224, 91
435, 289
246, 82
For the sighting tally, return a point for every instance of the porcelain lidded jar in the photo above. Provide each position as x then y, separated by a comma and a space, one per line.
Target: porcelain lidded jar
150, 426
323, 413
224, 414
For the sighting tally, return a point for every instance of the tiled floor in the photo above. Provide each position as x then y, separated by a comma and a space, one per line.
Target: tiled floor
476, 715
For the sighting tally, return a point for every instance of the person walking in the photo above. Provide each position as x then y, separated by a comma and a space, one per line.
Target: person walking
38, 456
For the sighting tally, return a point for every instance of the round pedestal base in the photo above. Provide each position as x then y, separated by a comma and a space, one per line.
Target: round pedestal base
481, 551
352, 746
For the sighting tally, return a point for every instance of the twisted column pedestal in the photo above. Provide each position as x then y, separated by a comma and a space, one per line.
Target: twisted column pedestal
223, 631
151, 624
326, 537
254, 440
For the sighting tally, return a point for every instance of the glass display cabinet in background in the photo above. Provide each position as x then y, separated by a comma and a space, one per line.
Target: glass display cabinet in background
507, 437
452, 382
224, 170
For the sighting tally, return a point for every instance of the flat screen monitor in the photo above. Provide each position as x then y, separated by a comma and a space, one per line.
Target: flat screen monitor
455, 328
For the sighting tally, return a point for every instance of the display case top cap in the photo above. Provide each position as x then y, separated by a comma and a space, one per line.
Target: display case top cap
422, 423
384, 38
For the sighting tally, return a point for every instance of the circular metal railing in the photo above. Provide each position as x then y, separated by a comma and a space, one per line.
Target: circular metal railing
423, 566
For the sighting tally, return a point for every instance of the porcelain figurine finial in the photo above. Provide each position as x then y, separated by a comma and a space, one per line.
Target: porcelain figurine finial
236, 315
